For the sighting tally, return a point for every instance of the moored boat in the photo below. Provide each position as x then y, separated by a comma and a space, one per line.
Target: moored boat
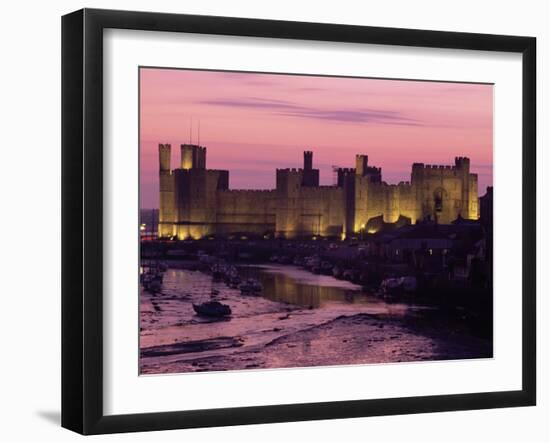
398, 286
326, 268
153, 285
212, 309
251, 286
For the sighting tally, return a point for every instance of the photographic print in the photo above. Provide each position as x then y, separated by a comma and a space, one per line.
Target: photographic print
291, 221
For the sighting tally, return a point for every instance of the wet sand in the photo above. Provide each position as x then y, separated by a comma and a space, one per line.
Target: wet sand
314, 326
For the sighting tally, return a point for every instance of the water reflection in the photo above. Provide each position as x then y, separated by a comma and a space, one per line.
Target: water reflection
291, 285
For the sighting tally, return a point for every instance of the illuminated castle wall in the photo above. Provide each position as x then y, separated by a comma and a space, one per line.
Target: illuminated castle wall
196, 202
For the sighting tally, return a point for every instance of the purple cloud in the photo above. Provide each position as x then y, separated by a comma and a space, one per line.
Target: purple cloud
286, 108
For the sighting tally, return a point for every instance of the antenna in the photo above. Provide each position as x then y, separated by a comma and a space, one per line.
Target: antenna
191, 131
199, 141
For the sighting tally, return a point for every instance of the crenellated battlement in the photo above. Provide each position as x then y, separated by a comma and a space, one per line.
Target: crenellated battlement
440, 167
424, 166
400, 185
289, 170
346, 170
321, 188
462, 163
420, 170
461, 159
249, 191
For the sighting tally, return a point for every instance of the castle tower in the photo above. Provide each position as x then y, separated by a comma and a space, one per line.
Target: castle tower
202, 158
193, 157
164, 157
186, 157
308, 160
361, 164
310, 176
287, 218
166, 192
462, 165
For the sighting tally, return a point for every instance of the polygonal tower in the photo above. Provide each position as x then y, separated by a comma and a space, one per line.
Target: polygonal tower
166, 192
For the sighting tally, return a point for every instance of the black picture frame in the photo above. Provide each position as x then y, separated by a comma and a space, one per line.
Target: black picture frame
82, 215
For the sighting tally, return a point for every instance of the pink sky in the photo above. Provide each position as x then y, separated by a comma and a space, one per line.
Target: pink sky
252, 124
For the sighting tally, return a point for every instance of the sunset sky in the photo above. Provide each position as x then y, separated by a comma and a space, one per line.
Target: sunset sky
252, 124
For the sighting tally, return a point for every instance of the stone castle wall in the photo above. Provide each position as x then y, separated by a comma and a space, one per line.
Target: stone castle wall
245, 211
196, 202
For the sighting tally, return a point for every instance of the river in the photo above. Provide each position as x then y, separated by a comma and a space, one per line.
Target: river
300, 319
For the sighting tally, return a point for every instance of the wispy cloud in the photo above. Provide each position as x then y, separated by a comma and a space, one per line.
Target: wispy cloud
248, 78
356, 116
307, 89
250, 103
290, 109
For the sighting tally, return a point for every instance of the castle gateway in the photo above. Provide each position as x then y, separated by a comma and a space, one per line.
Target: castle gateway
196, 202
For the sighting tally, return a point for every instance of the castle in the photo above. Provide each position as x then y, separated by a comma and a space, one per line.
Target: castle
196, 202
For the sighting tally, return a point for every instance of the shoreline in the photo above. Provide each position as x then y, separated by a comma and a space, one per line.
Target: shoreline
345, 340
269, 334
